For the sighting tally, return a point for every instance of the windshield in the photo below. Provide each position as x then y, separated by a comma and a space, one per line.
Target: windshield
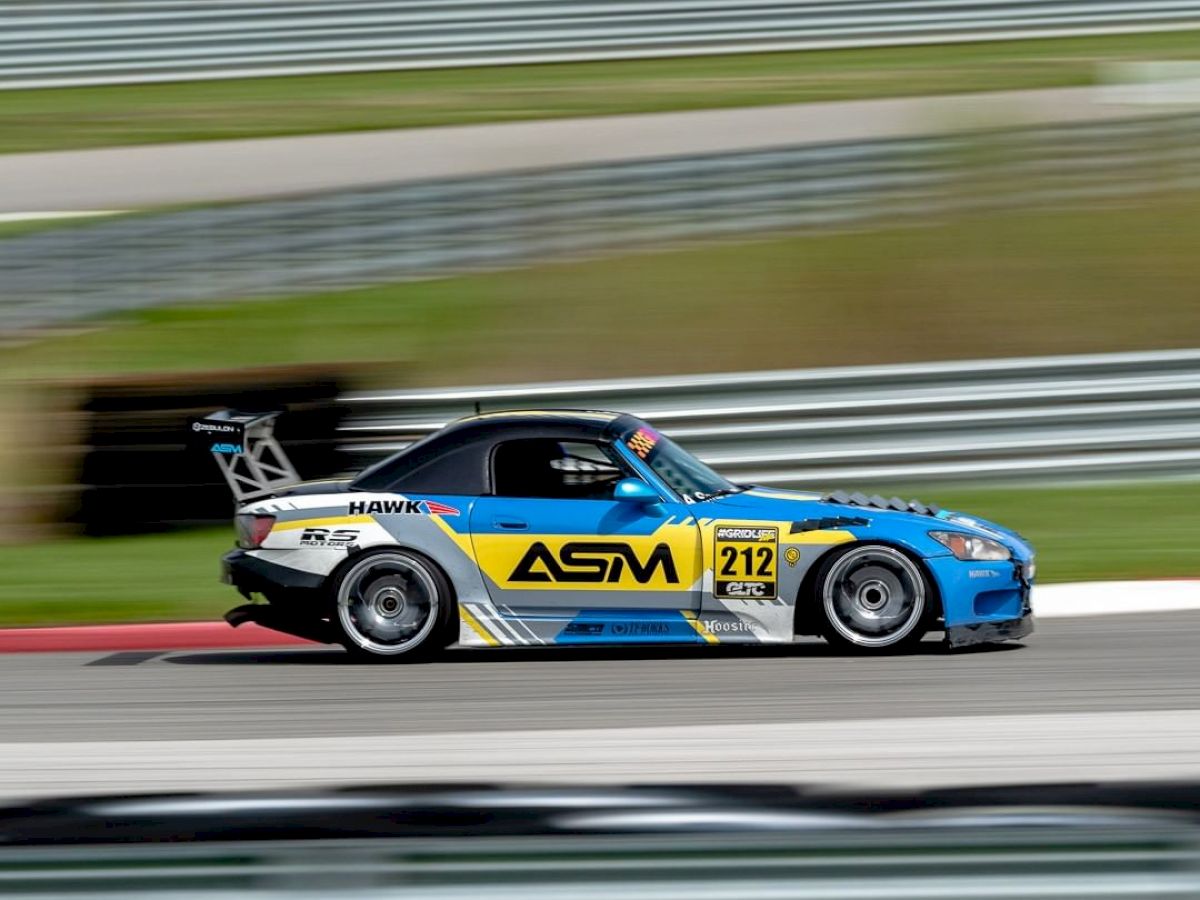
685, 474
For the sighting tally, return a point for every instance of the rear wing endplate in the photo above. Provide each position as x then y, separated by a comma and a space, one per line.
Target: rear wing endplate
252, 461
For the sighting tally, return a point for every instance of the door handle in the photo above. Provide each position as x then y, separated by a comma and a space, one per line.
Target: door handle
508, 523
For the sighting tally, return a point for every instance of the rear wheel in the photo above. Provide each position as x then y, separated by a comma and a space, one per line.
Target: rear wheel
872, 597
392, 604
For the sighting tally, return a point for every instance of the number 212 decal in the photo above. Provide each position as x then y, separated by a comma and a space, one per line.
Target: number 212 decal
745, 562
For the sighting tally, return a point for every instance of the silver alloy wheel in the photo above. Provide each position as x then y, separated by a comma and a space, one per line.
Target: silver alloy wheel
873, 596
388, 603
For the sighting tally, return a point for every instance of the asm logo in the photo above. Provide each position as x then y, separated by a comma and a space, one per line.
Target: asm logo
593, 562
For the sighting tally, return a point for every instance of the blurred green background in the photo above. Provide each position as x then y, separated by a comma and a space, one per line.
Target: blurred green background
1100, 276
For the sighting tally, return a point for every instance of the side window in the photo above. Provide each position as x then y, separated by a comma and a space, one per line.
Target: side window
556, 470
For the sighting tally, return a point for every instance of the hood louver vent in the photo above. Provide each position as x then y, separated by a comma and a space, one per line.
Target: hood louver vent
878, 502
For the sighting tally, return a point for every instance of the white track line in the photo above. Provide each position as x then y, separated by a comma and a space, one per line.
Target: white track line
900, 753
7, 217
1106, 598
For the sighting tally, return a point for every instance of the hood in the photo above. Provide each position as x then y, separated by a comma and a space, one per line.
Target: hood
844, 510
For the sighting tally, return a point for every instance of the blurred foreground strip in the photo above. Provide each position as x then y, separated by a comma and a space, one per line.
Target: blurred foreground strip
1078, 840
880, 753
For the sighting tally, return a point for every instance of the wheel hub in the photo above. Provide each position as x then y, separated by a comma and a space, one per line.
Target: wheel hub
389, 602
872, 595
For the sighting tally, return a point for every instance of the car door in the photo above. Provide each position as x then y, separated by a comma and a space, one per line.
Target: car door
552, 540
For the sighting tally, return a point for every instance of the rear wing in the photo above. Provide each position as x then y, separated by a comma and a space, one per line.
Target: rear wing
244, 446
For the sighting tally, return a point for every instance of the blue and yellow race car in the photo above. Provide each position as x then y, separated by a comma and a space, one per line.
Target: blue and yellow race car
578, 527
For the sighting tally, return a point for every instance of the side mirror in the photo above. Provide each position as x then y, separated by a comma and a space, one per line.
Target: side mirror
634, 491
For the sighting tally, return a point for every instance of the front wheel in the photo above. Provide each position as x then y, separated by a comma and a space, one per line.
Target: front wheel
391, 605
872, 597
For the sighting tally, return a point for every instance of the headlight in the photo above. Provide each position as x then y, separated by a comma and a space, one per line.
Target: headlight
968, 546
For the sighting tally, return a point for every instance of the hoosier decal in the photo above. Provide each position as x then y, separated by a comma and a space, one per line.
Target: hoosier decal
401, 508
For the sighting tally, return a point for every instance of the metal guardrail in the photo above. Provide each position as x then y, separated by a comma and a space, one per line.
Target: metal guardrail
1125, 415
74, 43
1138, 858
642, 843
323, 242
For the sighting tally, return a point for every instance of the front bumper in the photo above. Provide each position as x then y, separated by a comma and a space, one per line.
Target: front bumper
990, 632
975, 594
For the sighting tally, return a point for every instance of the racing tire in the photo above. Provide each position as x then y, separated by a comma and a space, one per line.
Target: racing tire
392, 605
872, 599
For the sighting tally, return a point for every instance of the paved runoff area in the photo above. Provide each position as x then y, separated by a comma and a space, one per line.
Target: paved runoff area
115, 178
1086, 697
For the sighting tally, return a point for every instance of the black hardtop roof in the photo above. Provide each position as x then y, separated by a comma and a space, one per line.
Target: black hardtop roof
454, 459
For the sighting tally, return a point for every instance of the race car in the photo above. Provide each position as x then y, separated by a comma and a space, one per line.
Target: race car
579, 527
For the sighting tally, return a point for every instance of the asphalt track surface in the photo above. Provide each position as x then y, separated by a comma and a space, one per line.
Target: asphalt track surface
123, 178
1114, 696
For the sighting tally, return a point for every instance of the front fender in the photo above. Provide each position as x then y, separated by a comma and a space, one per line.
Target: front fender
808, 615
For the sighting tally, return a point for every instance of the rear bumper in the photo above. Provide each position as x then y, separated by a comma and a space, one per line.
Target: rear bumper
266, 615
249, 574
990, 632
296, 616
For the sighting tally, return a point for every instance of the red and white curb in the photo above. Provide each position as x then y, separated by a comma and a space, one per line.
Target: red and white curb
150, 636
1053, 601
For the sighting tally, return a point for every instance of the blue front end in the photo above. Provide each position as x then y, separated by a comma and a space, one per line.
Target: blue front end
985, 601
981, 601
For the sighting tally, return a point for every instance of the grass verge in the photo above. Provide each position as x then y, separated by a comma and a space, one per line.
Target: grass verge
1081, 533
70, 118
